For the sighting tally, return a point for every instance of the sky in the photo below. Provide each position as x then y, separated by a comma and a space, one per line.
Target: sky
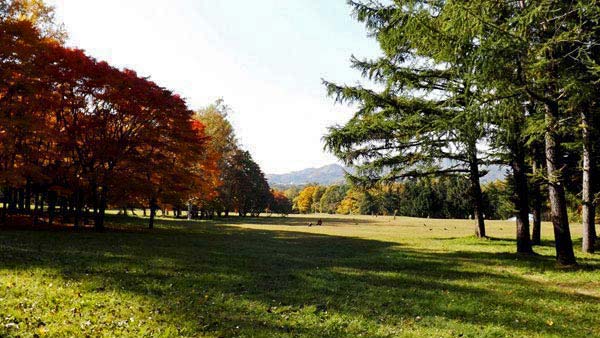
265, 58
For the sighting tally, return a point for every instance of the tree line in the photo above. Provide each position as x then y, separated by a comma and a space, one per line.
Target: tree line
445, 197
474, 83
78, 136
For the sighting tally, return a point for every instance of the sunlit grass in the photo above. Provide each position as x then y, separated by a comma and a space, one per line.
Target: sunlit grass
272, 276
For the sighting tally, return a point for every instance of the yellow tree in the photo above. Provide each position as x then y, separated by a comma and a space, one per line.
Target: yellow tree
304, 201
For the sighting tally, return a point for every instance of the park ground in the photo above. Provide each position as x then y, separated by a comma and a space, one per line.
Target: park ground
277, 277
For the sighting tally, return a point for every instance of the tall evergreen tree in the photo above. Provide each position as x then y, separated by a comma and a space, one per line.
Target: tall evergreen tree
428, 118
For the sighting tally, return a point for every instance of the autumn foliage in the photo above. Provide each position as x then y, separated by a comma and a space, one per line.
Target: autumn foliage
78, 135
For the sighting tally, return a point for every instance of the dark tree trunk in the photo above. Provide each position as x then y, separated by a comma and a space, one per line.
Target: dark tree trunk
52, 197
4, 210
476, 193
12, 201
86, 215
78, 204
21, 201
190, 210
536, 232
28, 197
521, 199
556, 191
588, 212
153, 208
63, 210
100, 215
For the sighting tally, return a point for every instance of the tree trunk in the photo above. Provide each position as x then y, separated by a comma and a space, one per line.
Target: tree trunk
28, 197
4, 210
12, 201
77, 204
536, 233
521, 199
52, 197
476, 193
99, 221
153, 208
42, 202
556, 191
588, 209
190, 210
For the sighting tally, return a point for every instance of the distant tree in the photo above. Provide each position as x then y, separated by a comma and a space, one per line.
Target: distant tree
250, 191
497, 200
222, 143
316, 199
332, 197
352, 202
304, 200
280, 203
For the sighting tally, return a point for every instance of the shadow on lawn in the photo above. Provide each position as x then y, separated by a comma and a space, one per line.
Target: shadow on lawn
249, 272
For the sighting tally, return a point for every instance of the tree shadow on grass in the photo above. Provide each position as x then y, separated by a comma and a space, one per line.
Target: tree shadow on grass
228, 281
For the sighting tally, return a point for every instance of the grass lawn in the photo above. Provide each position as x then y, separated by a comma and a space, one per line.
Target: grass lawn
276, 277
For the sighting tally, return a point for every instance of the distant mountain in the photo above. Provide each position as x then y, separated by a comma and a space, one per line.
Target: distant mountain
494, 173
330, 174
334, 173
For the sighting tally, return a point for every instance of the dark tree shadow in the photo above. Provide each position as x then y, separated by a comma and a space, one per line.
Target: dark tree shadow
293, 274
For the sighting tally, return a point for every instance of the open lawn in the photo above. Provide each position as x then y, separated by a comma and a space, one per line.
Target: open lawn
276, 277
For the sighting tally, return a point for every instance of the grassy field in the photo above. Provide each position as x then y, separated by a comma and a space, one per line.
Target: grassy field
276, 277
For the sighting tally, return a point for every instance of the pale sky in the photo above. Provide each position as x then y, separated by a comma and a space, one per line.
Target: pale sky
265, 58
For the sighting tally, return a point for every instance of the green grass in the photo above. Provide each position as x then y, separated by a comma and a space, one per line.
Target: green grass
276, 277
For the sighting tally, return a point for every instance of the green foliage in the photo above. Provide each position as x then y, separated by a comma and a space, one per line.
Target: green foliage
316, 199
332, 197
446, 197
251, 192
497, 200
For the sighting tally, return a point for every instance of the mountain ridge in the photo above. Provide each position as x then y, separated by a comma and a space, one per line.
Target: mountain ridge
335, 173
325, 175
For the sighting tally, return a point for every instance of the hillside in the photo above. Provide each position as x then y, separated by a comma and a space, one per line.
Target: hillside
334, 173
330, 174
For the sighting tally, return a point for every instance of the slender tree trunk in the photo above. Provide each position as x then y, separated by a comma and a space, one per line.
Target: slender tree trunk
12, 201
153, 208
52, 197
21, 201
521, 200
78, 207
536, 233
476, 193
28, 197
190, 210
4, 210
99, 220
556, 191
588, 210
